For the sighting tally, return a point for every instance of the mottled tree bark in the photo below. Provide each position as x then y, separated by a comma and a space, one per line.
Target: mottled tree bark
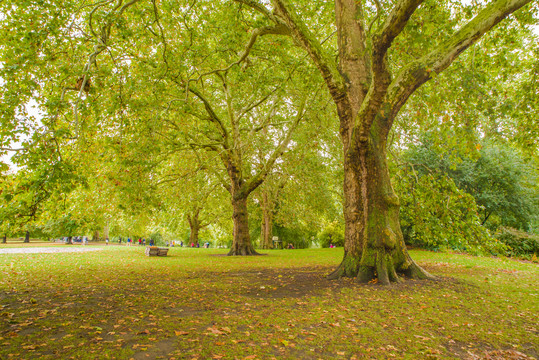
27, 237
193, 236
374, 245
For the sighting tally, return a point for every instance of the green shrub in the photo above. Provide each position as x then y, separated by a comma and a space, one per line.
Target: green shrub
436, 215
519, 243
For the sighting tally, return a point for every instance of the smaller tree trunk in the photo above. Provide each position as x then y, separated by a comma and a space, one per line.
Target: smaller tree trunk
106, 230
194, 226
242, 241
4, 239
27, 237
70, 240
193, 236
95, 236
266, 231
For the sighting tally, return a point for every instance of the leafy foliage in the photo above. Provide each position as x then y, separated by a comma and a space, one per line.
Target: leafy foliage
119, 155
437, 215
502, 182
519, 243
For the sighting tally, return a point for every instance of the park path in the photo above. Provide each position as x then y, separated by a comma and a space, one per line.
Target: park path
47, 250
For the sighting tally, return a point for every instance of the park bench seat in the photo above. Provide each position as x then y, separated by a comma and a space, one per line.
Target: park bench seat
156, 251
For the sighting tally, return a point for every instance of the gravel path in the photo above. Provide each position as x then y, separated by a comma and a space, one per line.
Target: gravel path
47, 250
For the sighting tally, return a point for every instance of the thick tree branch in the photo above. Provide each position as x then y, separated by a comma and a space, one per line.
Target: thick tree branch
393, 26
10, 149
323, 61
420, 71
260, 8
213, 116
381, 77
354, 53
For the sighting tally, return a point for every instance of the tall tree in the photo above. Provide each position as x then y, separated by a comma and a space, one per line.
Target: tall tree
369, 92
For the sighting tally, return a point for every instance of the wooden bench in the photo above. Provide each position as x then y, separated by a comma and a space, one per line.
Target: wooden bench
156, 251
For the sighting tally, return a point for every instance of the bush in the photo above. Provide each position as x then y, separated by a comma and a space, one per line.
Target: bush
519, 243
436, 215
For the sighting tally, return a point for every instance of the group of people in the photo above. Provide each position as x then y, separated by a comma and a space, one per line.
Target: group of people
151, 242
140, 241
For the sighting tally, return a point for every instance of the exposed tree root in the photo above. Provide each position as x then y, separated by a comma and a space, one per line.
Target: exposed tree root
415, 271
384, 270
243, 251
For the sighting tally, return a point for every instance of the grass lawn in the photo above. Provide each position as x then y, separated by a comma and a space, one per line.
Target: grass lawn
117, 303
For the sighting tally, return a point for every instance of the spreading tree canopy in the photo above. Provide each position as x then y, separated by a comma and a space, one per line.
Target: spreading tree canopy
238, 75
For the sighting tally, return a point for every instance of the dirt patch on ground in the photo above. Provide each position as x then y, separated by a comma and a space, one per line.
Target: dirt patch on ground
301, 282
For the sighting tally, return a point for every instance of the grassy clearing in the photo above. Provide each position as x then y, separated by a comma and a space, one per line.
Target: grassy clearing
195, 304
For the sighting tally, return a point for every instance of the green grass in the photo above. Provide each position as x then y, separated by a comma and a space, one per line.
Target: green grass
119, 304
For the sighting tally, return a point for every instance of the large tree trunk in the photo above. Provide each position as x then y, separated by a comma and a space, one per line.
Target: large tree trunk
241, 244
4, 239
374, 245
27, 237
266, 230
95, 236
